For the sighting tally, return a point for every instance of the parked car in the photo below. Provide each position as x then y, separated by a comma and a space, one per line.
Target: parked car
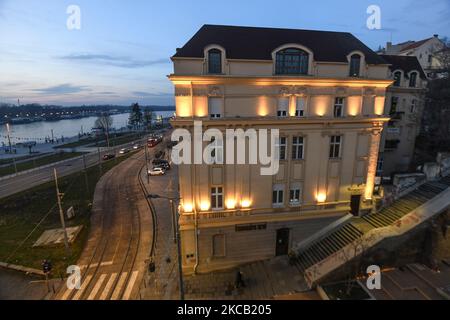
156, 172
107, 157
124, 151
162, 164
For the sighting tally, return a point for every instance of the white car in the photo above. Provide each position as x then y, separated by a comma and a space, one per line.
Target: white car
156, 172
137, 146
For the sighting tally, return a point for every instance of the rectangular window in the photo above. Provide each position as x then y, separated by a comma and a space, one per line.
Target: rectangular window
397, 78
355, 65
297, 148
394, 103
219, 246
216, 154
215, 61
283, 107
281, 148
339, 107
412, 80
413, 106
217, 198
278, 195
335, 147
215, 107
295, 194
300, 107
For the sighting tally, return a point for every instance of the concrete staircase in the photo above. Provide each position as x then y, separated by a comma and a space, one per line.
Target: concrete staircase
326, 254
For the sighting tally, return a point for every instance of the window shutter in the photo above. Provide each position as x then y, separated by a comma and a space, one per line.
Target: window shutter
215, 106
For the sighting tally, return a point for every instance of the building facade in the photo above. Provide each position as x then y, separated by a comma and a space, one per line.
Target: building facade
405, 106
325, 93
426, 51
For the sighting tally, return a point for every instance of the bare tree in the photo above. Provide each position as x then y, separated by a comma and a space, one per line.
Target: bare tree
104, 122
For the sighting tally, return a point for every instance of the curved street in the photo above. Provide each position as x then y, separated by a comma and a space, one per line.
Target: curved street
114, 260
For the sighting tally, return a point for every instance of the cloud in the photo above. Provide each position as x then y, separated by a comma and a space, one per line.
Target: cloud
152, 95
116, 61
62, 89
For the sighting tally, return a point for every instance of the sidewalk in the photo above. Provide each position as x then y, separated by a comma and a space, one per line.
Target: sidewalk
263, 280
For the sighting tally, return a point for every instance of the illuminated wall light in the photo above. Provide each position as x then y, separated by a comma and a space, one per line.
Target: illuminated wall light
263, 106
320, 105
231, 204
292, 106
187, 207
183, 106
246, 203
321, 197
204, 206
201, 106
354, 106
379, 105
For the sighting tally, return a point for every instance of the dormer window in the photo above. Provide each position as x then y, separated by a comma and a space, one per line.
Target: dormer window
291, 61
215, 61
355, 65
397, 78
412, 79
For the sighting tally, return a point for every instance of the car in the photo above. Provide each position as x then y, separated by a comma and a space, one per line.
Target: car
153, 143
156, 172
124, 151
159, 162
137, 146
107, 157
162, 164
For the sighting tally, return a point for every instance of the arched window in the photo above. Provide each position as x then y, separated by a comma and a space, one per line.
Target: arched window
215, 61
397, 78
412, 79
291, 61
355, 65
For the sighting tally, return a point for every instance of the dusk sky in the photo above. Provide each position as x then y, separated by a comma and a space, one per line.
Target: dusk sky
122, 52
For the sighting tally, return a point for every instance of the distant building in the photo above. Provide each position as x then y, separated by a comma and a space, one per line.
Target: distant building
324, 91
404, 105
426, 51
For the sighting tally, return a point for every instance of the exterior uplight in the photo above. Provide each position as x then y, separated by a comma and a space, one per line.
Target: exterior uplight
246, 203
204, 206
187, 207
231, 204
321, 197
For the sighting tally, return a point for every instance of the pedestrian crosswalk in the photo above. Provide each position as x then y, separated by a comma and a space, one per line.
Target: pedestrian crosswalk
106, 286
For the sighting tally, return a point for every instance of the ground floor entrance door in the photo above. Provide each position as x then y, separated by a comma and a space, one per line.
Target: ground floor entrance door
355, 202
282, 246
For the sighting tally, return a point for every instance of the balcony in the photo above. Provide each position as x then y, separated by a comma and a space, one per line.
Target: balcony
397, 116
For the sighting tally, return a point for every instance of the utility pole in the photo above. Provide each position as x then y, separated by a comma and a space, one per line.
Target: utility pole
53, 137
61, 213
10, 147
180, 266
85, 173
146, 162
99, 160
174, 223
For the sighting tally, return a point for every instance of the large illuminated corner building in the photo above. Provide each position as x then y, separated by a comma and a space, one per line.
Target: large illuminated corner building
324, 91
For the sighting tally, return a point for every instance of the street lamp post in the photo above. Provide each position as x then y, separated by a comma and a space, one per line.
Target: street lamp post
175, 217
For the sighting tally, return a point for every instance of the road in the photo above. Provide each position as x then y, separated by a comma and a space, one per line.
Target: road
26, 181
114, 260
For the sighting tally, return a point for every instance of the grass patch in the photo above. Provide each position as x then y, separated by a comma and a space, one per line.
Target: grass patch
23, 166
21, 213
117, 141
97, 141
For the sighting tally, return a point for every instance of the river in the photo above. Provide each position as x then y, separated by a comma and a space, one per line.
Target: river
38, 131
